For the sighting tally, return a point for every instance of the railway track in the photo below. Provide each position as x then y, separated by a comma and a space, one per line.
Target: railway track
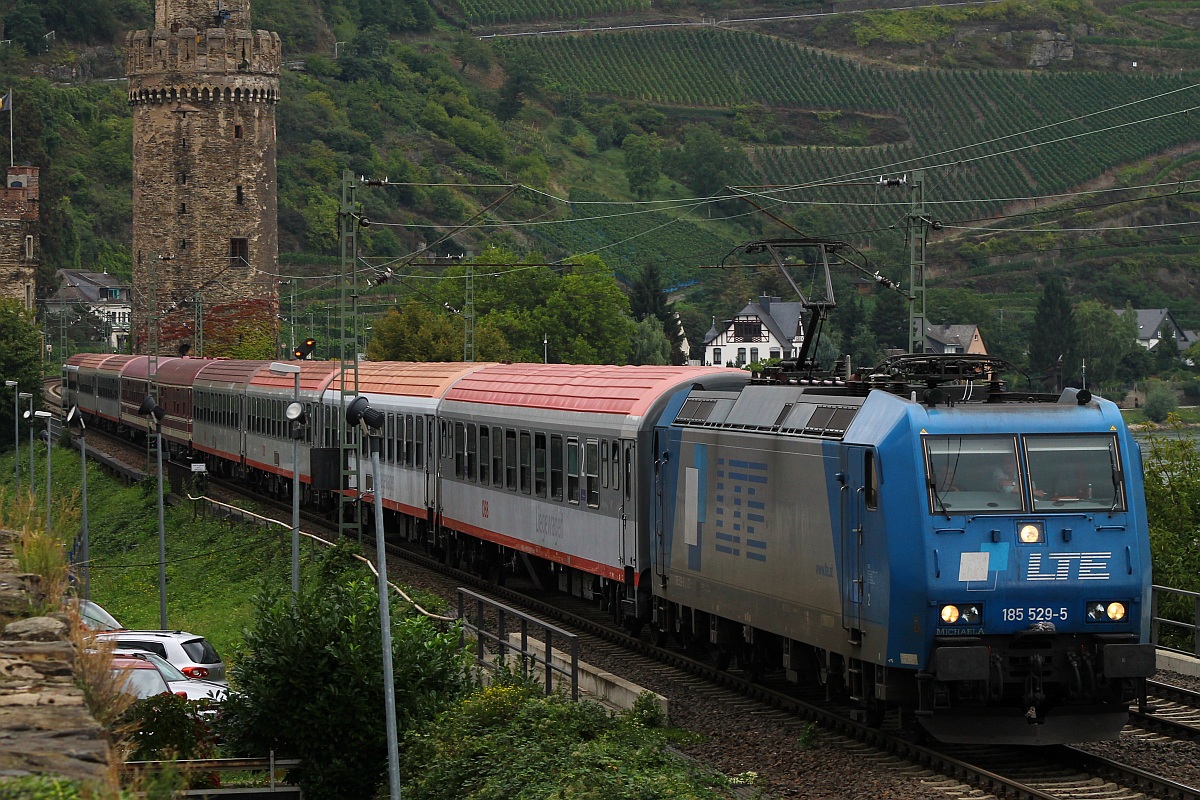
951, 772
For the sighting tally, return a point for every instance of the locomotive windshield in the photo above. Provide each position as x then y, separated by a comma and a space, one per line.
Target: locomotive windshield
973, 474
1076, 472
984, 474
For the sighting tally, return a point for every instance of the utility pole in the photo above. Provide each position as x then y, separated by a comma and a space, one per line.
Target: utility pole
348, 435
469, 316
917, 230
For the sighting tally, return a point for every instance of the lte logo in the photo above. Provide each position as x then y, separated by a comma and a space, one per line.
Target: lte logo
1058, 566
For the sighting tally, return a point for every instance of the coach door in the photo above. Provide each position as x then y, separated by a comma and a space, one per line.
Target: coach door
628, 503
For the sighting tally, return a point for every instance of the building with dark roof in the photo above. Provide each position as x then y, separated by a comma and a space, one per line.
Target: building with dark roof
105, 296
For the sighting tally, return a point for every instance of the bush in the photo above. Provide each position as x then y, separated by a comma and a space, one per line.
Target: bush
1160, 401
566, 749
310, 681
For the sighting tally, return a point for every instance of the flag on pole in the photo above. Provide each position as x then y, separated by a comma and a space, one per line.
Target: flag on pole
6, 102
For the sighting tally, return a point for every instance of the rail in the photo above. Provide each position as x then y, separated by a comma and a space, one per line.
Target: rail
1180, 632
528, 656
270, 765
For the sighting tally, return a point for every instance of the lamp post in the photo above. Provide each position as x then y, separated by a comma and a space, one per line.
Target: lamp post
49, 461
29, 416
75, 419
359, 412
295, 415
148, 408
545, 349
16, 433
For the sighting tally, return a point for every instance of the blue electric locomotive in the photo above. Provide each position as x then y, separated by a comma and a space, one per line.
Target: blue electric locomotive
977, 556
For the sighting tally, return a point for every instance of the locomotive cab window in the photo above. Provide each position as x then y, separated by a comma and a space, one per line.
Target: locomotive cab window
979, 474
871, 480
1075, 472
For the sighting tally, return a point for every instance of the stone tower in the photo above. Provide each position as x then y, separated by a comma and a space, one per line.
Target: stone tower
203, 87
20, 235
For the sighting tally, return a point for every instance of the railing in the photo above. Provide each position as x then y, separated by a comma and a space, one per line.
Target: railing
527, 655
270, 765
1180, 641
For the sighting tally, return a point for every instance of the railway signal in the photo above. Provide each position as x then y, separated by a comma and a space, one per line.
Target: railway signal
305, 349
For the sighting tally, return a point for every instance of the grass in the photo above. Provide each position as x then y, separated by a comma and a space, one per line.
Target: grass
1188, 415
213, 568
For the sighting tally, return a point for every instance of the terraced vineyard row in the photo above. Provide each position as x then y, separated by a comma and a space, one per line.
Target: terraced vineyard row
492, 12
627, 240
977, 133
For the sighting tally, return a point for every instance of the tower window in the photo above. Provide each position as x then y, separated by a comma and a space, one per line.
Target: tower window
183, 208
183, 177
237, 131
241, 196
183, 244
239, 250
28, 248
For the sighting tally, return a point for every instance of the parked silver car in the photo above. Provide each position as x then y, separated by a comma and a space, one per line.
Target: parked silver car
96, 618
191, 654
191, 688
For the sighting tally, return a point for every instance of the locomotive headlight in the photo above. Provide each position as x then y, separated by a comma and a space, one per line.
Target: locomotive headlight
950, 614
971, 615
1106, 611
1030, 533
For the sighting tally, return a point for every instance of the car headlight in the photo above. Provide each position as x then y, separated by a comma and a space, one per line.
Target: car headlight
1106, 611
1030, 533
950, 614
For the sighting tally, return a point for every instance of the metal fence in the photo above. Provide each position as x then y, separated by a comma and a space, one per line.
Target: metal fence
1181, 627
472, 611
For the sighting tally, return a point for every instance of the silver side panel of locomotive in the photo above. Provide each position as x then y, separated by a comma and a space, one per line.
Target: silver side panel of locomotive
753, 536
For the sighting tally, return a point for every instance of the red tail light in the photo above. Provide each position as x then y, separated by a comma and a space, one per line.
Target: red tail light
195, 672
181, 694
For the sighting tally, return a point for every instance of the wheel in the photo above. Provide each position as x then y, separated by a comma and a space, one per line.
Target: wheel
658, 634
721, 656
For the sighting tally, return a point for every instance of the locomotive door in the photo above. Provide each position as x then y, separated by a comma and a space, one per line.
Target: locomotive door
852, 508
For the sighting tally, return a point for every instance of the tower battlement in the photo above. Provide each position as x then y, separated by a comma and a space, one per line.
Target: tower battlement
191, 57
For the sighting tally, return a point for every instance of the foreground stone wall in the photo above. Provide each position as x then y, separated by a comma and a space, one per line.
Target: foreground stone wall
45, 728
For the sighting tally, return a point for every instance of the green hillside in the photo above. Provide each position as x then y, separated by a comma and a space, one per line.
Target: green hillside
625, 140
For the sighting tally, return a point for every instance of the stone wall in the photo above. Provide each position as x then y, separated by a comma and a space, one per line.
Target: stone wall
45, 728
19, 220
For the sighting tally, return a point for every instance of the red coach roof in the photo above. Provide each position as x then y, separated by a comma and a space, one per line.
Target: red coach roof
597, 389
139, 366
226, 374
181, 371
314, 376
412, 379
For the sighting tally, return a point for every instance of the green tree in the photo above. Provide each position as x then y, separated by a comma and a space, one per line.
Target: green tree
643, 162
312, 667
588, 315
1054, 337
707, 161
20, 359
26, 26
889, 320
1172, 486
1166, 352
648, 298
416, 332
1105, 338
472, 52
650, 344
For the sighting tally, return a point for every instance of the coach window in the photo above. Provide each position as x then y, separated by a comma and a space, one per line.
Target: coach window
460, 450
539, 464
407, 442
572, 470
616, 465
510, 459
471, 452
604, 463
526, 463
389, 435
591, 464
556, 467
629, 472
485, 455
419, 442
870, 480
497, 457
